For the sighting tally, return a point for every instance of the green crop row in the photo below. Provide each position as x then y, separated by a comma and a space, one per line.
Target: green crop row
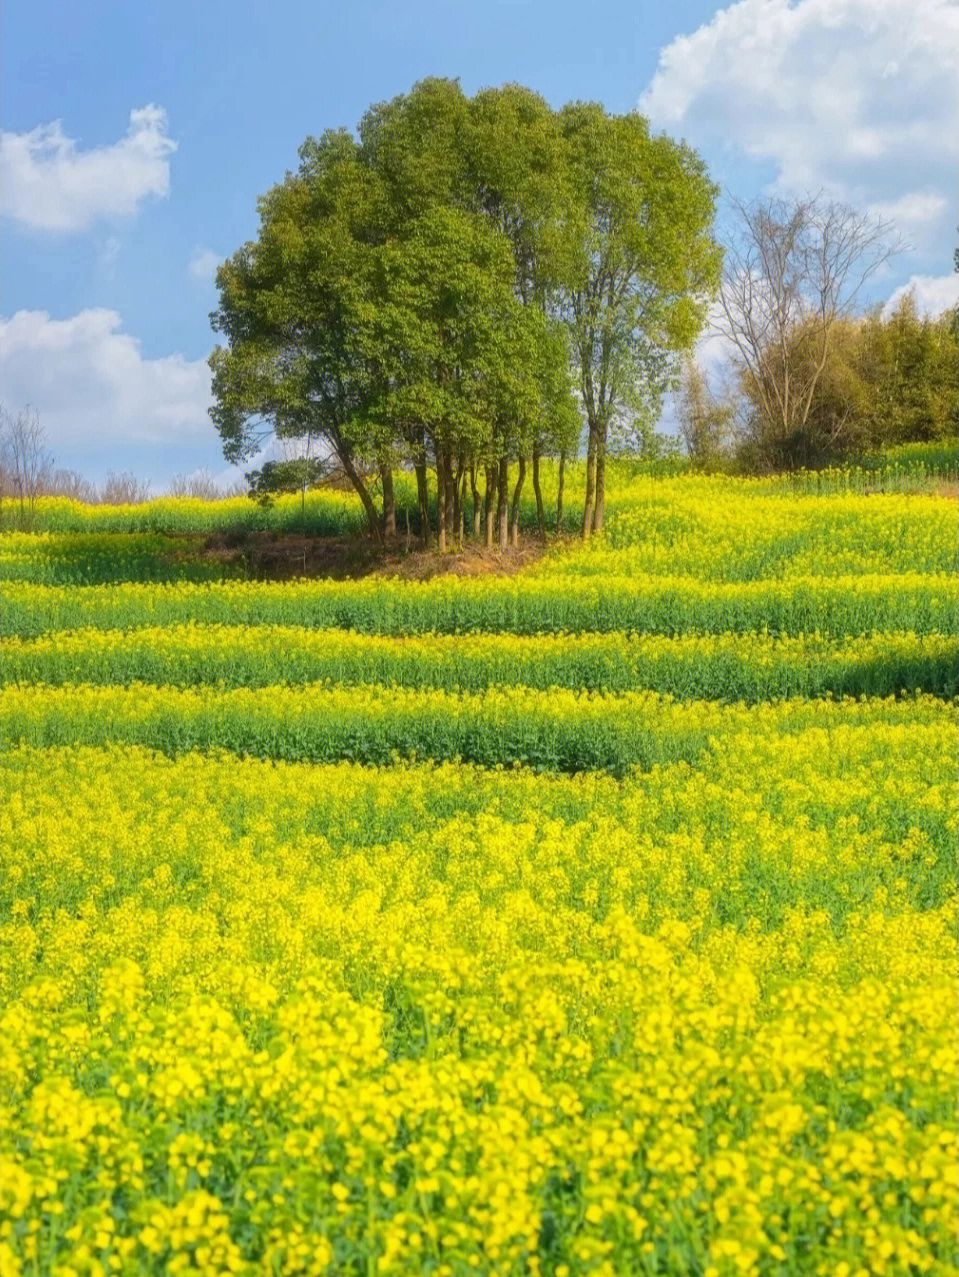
841, 606
99, 558
748, 667
556, 730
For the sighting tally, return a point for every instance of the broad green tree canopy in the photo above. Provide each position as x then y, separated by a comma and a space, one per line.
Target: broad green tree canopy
462, 284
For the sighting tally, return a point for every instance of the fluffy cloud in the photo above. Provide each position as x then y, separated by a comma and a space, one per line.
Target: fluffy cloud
94, 390
933, 293
914, 209
856, 96
203, 264
48, 183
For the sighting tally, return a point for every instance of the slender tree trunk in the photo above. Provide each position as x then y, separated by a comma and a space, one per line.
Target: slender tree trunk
458, 493
537, 490
517, 492
372, 514
457, 510
590, 483
477, 512
502, 502
423, 497
440, 501
448, 493
490, 497
560, 493
389, 508
599, 509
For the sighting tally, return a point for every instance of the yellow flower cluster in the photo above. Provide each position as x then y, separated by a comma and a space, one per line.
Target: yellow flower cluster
675, 998
274, 1017
705, 529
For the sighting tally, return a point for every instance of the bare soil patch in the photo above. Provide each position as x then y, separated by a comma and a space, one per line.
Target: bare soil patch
279, 556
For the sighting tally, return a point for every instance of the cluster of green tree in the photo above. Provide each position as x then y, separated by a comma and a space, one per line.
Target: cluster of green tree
456, 290
886, 379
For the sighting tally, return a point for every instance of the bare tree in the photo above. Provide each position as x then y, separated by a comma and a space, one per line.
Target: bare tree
5, 467
124, 489
200, 484
792, 272
71, 484
26, 464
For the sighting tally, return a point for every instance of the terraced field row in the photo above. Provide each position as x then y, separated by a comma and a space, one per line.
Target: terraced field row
836, 607
749, 667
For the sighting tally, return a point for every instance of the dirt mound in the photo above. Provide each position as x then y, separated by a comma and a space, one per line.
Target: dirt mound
279, 556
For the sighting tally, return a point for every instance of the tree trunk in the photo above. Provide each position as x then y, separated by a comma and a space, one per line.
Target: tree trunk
389, 508
461, 525
458, 500
423, 498
477, 512
449, 495
440, 501
502, 502
489, 498
560, 493
540, 516
372, 514
590, 483
514, 513
600, 507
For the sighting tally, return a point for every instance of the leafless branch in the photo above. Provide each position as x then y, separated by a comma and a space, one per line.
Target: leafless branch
792, 272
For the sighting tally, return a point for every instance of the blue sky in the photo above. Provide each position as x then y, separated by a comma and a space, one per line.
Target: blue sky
136, 138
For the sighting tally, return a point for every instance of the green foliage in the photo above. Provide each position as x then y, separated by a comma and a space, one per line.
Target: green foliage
909, 368
640, 266
430, 290
888, 380
276, 477
463, 353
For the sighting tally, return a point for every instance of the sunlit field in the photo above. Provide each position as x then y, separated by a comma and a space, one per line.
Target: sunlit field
595, 919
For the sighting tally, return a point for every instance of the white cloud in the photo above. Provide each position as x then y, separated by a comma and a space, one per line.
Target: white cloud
203, 264
854, 96
933, 293
913, 209
48, 183
94, 389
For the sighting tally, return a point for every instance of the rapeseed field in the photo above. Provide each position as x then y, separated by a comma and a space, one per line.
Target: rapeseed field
598, 919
